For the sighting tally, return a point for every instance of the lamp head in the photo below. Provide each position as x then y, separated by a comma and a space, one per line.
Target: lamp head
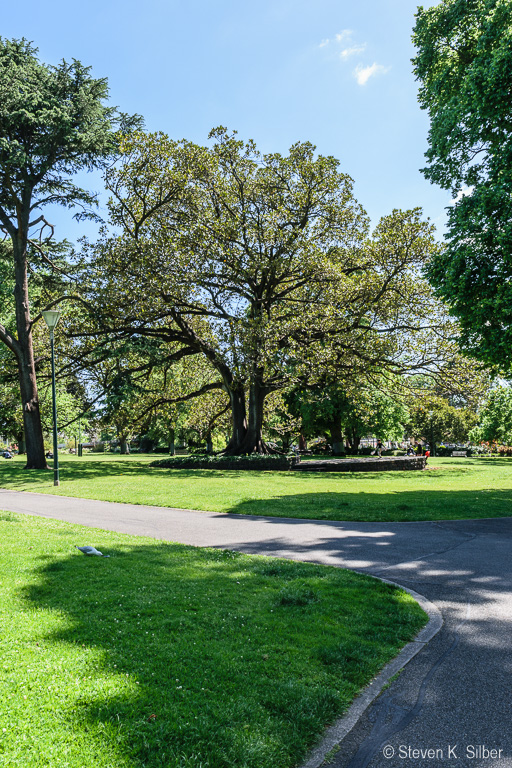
51, 317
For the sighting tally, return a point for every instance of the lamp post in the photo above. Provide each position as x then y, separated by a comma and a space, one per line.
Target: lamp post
51, 317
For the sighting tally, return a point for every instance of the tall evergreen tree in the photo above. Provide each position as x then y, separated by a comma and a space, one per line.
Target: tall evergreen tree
53, 123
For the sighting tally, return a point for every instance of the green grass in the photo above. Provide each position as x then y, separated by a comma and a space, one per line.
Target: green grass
167, 656
451, 489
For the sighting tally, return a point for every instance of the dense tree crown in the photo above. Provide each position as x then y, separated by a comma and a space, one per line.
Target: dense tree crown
262, 265
464, 65
224, 252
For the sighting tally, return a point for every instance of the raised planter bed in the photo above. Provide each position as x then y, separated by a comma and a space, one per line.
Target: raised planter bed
256, 462
364, 464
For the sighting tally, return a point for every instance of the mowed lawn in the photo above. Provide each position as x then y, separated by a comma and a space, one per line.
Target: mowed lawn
168, 656
450, 489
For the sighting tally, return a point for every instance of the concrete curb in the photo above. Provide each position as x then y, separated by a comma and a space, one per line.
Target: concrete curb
337, 732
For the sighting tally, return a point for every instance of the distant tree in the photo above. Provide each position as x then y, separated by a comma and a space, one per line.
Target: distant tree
53, 123
346, 417
434, 418
464, 65
11, 417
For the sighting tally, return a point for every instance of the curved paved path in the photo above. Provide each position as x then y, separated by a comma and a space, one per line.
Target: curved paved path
455, 696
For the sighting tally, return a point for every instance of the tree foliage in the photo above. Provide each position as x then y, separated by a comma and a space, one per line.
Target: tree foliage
433, 418
495, 418
347, 417
262, 265
464, 64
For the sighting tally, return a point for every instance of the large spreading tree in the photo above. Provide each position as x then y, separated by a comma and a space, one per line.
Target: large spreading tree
53, 123
262, 265
464, 65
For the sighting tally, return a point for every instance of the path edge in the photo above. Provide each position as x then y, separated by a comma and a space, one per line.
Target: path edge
335, 734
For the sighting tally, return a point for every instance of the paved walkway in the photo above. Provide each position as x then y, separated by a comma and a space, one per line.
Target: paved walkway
455, 697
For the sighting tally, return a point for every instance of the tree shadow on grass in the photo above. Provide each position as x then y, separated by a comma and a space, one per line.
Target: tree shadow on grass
13, 475
221, 660
398, 505
209, 659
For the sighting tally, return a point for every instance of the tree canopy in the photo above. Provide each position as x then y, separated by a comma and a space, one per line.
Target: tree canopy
261, 264
464, 65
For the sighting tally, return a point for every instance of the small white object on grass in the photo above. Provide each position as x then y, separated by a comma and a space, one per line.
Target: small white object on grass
92, 551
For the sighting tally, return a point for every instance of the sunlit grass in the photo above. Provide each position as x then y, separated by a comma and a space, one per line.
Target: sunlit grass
170, 656
451, 489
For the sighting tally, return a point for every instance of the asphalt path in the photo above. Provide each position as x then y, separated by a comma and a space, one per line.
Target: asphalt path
452, 704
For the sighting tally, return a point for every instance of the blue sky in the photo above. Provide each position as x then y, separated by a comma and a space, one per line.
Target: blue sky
333, 72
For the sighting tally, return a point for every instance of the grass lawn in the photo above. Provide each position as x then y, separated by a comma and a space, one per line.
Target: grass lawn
450, 489
167, 656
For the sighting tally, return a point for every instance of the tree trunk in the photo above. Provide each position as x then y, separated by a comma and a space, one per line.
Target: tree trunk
239, 419
353, 439
20, 439
125, 446
172, 446
252, 441
32, 428
336, 438
26, 365
209, 444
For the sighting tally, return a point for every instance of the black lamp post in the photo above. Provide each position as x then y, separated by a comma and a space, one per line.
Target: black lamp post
51, 317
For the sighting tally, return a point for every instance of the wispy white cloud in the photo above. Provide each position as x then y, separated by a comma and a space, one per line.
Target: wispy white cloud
345, 34
352, 51
363, 74
346, 48
342, 37
467, 191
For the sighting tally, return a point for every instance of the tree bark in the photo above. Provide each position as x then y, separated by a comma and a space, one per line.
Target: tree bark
124, 446
252, 441
172, 446
20, 439
239, 419
353, 439
26, 364
336, 437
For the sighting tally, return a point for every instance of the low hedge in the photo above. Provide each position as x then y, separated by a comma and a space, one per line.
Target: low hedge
442, 450
255, 461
